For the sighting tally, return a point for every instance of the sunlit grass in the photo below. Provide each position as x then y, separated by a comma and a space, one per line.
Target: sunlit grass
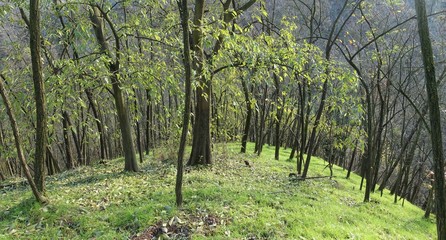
260, 201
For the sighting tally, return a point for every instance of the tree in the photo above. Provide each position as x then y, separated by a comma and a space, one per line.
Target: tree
434, 116
39, 95
184, 15
38, 194
201, 142
333, 36
97, 16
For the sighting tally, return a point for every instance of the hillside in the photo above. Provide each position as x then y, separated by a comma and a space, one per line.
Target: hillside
228, 200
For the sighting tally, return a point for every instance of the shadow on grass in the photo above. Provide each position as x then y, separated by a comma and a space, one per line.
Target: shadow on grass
19, 212
75, 177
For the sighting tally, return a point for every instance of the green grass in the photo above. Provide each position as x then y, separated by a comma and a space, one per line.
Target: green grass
102, 202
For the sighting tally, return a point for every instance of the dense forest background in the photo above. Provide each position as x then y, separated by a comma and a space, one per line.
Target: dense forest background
342, 80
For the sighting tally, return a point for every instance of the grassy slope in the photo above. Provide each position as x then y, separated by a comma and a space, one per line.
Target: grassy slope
103, 202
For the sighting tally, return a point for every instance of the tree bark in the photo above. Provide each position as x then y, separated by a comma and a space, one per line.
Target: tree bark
69, 156
201, 142
99, 123
96, 16
248, 116
38, 194
39, 95
278, 119
184, 14
435, 118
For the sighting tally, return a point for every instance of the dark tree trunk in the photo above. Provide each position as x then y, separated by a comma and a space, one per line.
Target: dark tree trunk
51, 164
99, 123
184, 14
77, 144
201, 143
434, 117
131, 163
39, 95
352, 160
294, 137
248, 116
278, 119
149, 122
312, 140
38, 194
304, 119
138, 129
69, 163
262, 122
96, 16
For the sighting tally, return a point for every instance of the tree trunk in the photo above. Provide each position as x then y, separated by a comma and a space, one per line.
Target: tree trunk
99, 123
77, 144
312, 140
39, 95
149, 122
435, 118
69, 156
201, 143
278, 119
248, 116
96, 16
138, 129
350, 166
131, 163
38, 194
184, 14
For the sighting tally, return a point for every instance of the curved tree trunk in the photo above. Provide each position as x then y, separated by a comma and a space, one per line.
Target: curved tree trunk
187, 104
38, 194
96, 16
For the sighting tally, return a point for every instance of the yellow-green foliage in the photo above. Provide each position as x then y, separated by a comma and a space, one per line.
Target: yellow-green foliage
103, 202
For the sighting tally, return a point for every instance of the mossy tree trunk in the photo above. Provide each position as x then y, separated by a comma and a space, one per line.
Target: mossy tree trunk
39, 95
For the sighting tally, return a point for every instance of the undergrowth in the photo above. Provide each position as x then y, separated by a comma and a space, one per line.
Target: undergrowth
227, 200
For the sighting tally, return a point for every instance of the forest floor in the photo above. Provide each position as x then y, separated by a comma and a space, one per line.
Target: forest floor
227, 200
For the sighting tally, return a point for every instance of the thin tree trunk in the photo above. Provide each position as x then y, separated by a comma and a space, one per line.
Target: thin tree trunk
187, 103
248, 116
350, 166
77, 145
149, 114
138, 129
38, 194
278, 119
69, 157
312, 139
99, 123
